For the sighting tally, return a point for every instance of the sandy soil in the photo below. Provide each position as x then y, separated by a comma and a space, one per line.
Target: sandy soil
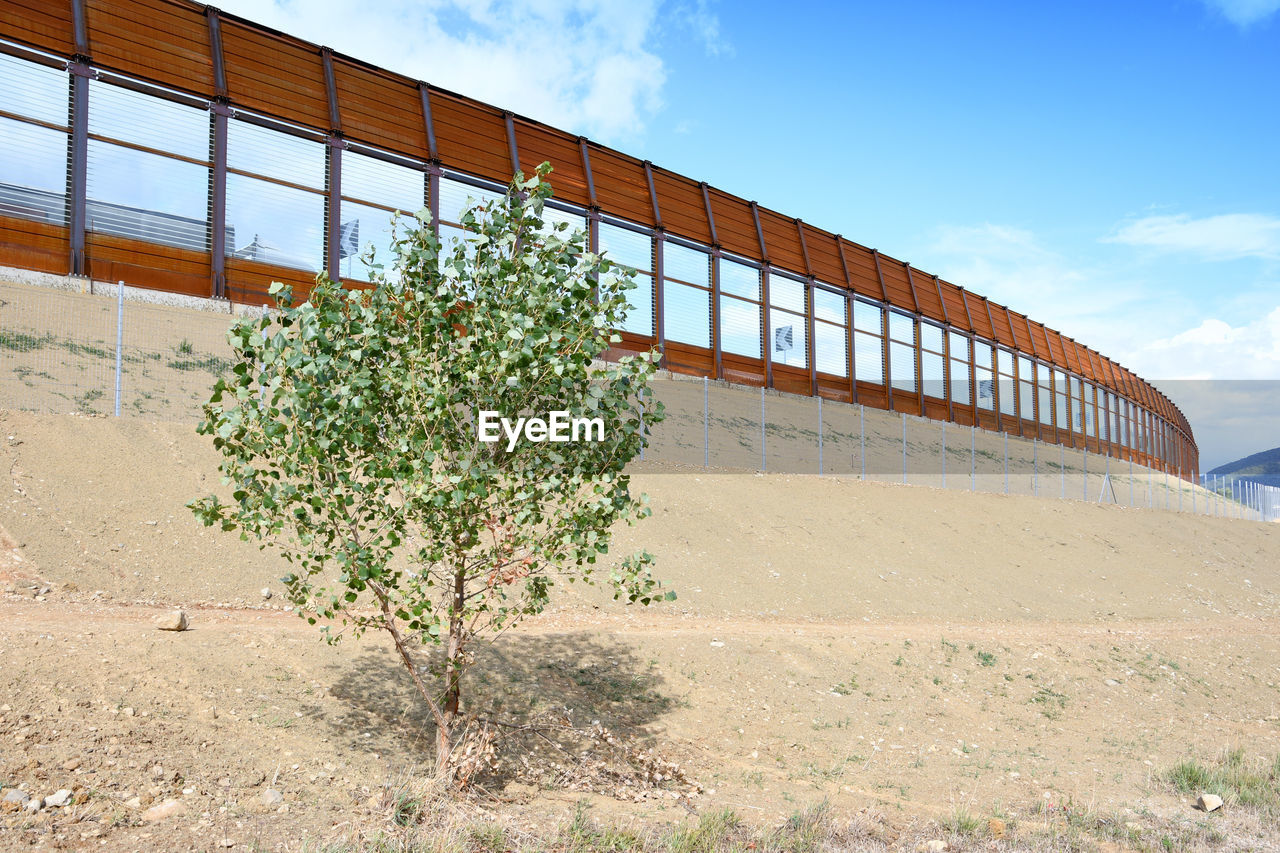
907, 650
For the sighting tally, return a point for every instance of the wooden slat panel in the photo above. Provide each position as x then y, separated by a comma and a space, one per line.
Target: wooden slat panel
906, 401
862, 270
32, 245
741, 369
895, 280
471, 137
1002, 331
927, 294
735, 228
792, 380
833, 387
248, 281
1017, 324
783, 242
538, 143
143, 255
683, 358
275, 75
152, 39
955, 306
381, 109
978, 311
824, 257
621, 187
46, 24
680, 202
1056, 348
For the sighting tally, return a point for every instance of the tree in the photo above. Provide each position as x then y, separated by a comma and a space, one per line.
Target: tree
350, 433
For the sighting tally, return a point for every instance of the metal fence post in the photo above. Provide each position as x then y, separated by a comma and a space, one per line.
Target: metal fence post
1035, 467
819, 436
1085, 463
764, 456
904, 448
973, 456
119, 341
862, 438
1130, 481
1006, 462
1062, 468
944, 454
706, 423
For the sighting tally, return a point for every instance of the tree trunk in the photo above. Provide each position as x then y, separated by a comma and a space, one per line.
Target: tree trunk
444, 722
453, 662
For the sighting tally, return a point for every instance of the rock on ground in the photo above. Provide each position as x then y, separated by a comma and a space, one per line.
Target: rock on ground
175, 621
1209, 802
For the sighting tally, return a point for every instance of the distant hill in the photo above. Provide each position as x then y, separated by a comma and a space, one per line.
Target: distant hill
1261, 467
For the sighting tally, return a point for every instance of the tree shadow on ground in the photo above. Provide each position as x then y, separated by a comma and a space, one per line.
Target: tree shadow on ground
575, 677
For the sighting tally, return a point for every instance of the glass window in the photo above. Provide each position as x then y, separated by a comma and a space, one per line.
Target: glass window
390, 185
868, 357
639, 320
144, 120
786, 293
829, 306
868, 317
35, 91
626, 247
1006, 389
364, 227
686, 314
553, 217
902, 366
739, 326
33, 172
930, 337
147, 197
831, 348
1045, 385
687, 265
787, 338
902, 327
456, 196
272, 154
739, 280
274, 224
958, 378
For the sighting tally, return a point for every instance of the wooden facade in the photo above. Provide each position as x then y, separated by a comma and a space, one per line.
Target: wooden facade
240, 71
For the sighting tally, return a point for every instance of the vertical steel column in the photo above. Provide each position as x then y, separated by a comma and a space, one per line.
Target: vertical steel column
944, 454
716, 347
509, 120
852, 367
78, 157
973, 458
219, 114
1006, 462
333, 206
220, 119
885, 346
765, 329
333, 183
433, 165
659, 285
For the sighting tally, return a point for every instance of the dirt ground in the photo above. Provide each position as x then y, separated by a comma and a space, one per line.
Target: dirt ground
906, 652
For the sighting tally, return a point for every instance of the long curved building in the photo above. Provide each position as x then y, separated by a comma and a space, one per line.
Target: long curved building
176, 147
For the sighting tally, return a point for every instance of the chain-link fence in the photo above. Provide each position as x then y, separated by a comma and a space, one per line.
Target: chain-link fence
719, 427
115, 353
66, 351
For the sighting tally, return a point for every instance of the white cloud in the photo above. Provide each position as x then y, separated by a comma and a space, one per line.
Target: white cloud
1227, 237
1244, 13
1012, 267
583, 66
1217, 350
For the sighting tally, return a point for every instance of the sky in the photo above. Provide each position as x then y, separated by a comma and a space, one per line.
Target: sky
1112, 169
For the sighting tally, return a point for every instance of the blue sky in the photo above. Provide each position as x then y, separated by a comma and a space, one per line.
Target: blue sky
1109, 168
